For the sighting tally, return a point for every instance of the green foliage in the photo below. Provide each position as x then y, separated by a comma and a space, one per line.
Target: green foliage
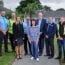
31, 8
46, 8
8, 15
60, 9
28, 6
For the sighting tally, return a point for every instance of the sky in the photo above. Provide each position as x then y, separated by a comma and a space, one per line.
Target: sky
54, 4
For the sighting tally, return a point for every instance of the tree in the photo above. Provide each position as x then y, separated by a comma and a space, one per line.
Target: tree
61, 9
28, 6
31, 8
46, 8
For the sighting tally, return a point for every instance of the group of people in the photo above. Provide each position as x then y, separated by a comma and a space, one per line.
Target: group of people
32, 34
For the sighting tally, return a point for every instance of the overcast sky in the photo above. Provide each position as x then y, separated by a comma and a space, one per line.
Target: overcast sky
54, 4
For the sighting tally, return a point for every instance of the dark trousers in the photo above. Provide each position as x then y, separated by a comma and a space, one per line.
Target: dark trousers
6, 42
49, 46
1, 39
11, 38
25, 44
41, 44
61, 45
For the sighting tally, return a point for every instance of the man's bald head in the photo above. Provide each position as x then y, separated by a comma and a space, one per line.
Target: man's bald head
40, 15
3, 13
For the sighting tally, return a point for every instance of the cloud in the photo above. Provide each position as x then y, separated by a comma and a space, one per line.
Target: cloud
54, 4
11, 4
52, 1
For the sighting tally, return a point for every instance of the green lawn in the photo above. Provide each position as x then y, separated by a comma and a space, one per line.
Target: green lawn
7, 58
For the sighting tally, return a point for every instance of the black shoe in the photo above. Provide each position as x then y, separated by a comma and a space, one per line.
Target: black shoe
0, 55
50, 57
26, 54
40, 54
46, 55
20, 56
6, 51
58, 58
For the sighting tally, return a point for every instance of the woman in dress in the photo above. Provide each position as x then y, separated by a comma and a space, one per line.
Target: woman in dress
18, 37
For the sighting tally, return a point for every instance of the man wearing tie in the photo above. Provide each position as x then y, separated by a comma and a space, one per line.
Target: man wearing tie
1, 35
41, 23
26, 25
3, 30
5, 26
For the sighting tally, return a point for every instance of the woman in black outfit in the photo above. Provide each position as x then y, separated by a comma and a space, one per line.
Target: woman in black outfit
18, 37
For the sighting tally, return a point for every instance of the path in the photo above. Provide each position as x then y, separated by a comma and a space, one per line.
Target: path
43, 61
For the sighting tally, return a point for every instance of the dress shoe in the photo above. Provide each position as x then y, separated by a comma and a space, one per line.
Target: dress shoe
50, 57
0, 55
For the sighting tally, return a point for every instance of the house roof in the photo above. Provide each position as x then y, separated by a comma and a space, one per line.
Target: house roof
55, 13
2, 8
5, 9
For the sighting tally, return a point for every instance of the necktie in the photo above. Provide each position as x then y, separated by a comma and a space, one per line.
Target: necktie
27, 23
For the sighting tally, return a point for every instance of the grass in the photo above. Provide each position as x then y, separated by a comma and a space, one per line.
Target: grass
7, 58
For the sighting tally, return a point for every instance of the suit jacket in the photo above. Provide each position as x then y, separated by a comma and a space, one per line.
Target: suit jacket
50, 29
42, 26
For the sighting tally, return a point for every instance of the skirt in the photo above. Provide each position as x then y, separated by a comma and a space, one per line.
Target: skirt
19, 41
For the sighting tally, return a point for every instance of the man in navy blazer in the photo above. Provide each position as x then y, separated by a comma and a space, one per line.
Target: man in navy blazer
50, 32
41, 23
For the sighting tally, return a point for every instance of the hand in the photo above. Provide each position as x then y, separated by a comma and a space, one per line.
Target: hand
4, 33
16, 40
23, 38
46, 36
37, 41
30, 41
40, 33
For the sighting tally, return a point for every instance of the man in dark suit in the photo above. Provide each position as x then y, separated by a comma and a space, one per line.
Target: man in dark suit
50, 31
41, 23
